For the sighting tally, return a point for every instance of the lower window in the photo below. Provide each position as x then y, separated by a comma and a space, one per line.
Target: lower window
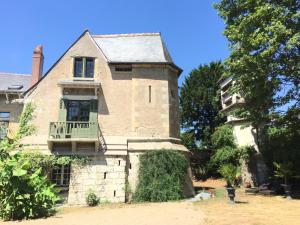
60, 175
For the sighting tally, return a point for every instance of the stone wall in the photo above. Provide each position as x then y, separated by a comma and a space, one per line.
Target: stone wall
104, 175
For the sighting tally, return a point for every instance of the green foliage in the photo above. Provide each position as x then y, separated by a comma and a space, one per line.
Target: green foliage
223, 136
91, 198
225, 150
200, 102
188, 140
47, 162
264, 61
281, 144
231, 173
24, 192
284, 170
161, 176
25, 129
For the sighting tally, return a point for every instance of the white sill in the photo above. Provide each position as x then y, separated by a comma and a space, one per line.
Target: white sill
83, 79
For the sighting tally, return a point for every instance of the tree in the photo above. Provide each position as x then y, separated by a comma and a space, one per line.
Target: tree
200, 102
264, 61
264, 37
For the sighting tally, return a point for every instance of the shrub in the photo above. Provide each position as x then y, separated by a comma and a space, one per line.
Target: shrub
23, 193
91, 198
231, 174
161, 176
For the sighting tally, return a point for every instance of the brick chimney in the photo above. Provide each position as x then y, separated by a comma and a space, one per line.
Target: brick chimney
37, 64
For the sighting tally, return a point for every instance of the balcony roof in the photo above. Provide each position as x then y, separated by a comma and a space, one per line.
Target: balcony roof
79, 84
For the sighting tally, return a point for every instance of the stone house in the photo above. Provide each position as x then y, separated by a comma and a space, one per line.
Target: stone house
253, 172
108, 97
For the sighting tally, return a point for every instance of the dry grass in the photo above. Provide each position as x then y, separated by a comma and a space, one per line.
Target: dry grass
249, 209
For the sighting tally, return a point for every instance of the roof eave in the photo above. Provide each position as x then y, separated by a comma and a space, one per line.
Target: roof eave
173, 65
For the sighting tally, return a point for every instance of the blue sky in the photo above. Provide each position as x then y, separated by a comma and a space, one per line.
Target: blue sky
191, 29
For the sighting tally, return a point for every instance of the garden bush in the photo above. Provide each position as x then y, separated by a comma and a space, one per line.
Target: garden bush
91, 198
24, 193
161, 176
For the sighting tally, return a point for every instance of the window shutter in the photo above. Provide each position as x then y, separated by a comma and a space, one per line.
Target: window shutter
94, 111
63, 109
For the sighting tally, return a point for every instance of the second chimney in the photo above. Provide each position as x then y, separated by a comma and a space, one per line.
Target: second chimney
37, 64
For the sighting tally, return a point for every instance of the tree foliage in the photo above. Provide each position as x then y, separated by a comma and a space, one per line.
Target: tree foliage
226, 151
264, 38
200, 102
161, 176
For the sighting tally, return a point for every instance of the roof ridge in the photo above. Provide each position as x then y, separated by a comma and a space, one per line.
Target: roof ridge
16, 74
125, 35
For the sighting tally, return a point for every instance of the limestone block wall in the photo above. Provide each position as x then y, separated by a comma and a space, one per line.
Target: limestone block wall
104, 175
133, 169
244, 135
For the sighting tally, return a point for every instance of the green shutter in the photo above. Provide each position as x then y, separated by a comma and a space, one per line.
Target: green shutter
94, 111
63, 110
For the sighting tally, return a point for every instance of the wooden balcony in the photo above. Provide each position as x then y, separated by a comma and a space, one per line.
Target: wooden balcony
73, 130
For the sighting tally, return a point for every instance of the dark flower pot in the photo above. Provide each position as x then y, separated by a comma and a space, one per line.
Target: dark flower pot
231, 194
287, 190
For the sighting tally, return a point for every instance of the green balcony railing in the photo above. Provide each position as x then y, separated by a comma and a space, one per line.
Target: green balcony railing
68, 129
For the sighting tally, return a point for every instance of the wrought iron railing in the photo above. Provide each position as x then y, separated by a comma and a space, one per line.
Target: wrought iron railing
68, 129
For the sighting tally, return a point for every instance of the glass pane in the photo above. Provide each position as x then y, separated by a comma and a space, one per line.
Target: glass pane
73, 111
78, 111
89, 68
4, 115
84, 111
78, 65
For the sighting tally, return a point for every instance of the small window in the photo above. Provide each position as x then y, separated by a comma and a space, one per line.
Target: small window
150, 94
123, 68
60, 175
4, 115
15, 87
84, 67
172, 94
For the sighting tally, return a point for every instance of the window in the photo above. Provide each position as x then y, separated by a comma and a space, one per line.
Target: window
78, 110
150, 94
60, 175
172, 94
4, 115
84, 67
123, 68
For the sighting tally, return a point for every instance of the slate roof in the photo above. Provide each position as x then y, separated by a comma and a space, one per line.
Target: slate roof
133, 48
9, 80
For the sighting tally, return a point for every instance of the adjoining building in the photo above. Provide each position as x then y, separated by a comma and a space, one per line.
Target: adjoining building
108, 97
254, 172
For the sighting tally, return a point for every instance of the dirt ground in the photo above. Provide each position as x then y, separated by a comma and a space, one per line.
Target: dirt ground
249, 210
173, 213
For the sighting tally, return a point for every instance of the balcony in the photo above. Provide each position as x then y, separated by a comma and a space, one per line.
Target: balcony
73, 130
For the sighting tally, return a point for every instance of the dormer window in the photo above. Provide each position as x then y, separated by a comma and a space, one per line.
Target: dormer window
84, 67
